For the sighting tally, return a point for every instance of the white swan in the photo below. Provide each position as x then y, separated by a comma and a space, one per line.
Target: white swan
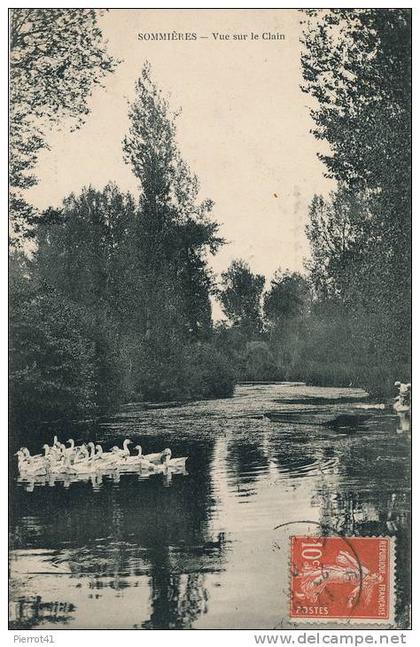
55, 465
91, 446
56, 446
27, 468
125, 451
138, 460
106, 457
163, 459
178, 463
105, 461
84, 466
155, 458
70, 451
80, 453
37, 458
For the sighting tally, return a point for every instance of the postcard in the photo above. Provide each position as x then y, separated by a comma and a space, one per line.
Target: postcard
210, 319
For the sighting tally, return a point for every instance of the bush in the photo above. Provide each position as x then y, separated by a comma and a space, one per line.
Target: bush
64, 359
209, 374
52, 360
196, 370
258, 362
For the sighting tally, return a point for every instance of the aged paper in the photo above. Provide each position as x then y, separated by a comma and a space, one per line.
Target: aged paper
210, 316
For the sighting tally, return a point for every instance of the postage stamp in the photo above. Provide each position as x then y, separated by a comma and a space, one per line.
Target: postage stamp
344, 579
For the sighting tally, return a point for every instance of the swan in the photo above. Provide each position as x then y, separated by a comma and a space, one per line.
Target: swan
36, 457
155, 458
26, 461
84, 466
124, 451
70, 451
138, 460
178, 463
92, 451
106, 458
21, 457
57, 451
81, 453
163, 459
56, 446
85, 462
55, 458
105, 461
27, 468
55, 465
25, 453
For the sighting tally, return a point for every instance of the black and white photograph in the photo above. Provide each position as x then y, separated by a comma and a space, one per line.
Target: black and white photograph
209, 275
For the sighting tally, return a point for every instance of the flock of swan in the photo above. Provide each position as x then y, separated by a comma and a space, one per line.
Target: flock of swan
89, 459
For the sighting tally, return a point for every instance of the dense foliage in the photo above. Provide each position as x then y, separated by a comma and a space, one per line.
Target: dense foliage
57, 56
347, 321
114, 304
357, 66
240, 297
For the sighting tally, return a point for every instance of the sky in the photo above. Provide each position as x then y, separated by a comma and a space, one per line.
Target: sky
244, 128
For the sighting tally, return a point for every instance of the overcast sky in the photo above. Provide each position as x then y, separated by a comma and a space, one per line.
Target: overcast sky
244, 128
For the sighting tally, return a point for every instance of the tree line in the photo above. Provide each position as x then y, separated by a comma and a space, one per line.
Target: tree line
347, 321
114, 302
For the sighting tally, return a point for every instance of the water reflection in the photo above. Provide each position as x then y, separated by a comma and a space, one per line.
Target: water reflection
177, 600
371, 497
124, 528
96, 479
196, 549
28, 613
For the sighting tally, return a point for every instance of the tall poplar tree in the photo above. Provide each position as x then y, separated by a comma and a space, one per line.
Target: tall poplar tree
175, 234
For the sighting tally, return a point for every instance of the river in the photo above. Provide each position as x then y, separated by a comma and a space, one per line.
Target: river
203, 549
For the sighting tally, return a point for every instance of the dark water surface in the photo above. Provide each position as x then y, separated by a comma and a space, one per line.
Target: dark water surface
200, 549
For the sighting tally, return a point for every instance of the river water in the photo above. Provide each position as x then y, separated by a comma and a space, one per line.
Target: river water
203, 549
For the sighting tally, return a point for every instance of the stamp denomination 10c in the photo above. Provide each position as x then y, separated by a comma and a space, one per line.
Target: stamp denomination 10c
342, 579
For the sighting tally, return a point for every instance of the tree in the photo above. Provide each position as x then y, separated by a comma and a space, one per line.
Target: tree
57, 57
356, 65
85, 261
87, 250
176, 229
211, 375
352, 308
114, 301
287, 306
51, 354
288, 297
240, 297
338, 230
175, 235
258, 361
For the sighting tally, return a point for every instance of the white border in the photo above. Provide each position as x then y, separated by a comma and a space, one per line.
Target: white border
205, 638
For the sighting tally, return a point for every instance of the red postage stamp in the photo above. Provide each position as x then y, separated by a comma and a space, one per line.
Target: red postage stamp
345, 579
